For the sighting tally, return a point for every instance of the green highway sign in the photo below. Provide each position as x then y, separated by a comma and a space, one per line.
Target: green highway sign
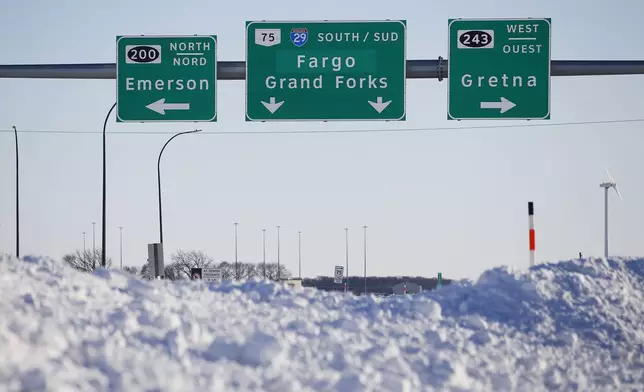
499, 69
325, 70
166, 78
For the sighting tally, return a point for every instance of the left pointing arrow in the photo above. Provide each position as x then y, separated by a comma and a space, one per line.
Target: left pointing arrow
160, 106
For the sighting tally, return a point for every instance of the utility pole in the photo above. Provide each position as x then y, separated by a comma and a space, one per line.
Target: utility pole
264, 250
346, 249
236, 263
84, 247
278, 253
365, 259
94, 245
299, 254
121, 243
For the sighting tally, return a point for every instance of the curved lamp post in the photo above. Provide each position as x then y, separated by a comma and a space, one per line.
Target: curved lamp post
159, 180
15, 132
104, 218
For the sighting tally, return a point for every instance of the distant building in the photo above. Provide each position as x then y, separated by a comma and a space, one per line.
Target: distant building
412, 288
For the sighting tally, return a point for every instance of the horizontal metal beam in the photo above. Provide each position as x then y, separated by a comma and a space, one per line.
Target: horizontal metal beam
236, 70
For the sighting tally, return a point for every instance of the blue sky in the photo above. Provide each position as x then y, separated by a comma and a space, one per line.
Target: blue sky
453, 201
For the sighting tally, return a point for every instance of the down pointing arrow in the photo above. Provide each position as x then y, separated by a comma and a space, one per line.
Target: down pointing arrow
271, 105
379, 105
504, 105
160, 106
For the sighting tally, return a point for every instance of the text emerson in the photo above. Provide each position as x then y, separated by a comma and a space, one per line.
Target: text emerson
132, 84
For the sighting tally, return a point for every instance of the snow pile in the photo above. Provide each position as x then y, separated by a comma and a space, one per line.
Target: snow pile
574, 325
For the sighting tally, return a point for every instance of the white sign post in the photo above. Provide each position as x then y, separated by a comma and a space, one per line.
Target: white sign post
211, 274
339, 274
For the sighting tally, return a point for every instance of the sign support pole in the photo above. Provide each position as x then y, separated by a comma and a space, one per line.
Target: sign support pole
236, 70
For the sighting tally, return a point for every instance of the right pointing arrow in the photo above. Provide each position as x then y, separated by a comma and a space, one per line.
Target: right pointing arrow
504, 105
379, 105
271, 105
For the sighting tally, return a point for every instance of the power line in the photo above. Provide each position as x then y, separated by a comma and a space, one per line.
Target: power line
314, 131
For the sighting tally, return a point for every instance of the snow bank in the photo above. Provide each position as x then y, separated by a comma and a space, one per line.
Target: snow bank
573, 325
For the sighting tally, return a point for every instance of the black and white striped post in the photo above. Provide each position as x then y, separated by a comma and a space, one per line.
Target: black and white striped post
532, 238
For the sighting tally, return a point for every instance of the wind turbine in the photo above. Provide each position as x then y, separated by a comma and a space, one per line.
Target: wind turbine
607, 186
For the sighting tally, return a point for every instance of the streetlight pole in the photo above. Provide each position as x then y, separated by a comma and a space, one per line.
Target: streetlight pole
84, 247
264, 250
236, 265
346, 250
299, 254
94, 245
121, 242
159, 181
15, 132
365, 259
278, 253
104, 218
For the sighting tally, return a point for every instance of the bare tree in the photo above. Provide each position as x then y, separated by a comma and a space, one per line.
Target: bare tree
173, 272
131, 270
86, 261
185, 261
169, 272
253, 270
271, 271
247, 270
145, 272
227, 270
